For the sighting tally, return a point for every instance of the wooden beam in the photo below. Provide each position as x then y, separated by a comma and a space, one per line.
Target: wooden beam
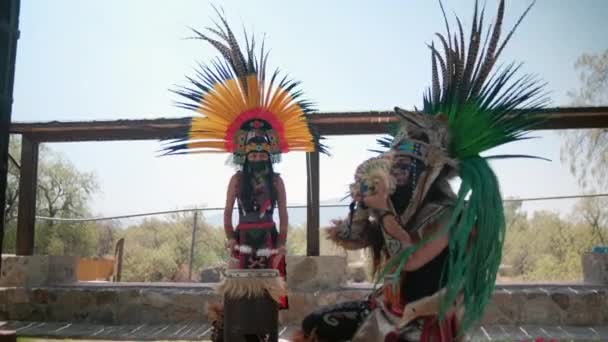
9, 34
28, 180
342, 123
312, 204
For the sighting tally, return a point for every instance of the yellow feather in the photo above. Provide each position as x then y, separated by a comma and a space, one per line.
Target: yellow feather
215, 105
217, 145
207, 135
229, 99
208, 125
276, 103
212, 114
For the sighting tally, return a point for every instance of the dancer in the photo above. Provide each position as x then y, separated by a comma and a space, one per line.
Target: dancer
256, 118
435, 252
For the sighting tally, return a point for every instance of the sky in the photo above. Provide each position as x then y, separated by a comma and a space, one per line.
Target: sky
117, 59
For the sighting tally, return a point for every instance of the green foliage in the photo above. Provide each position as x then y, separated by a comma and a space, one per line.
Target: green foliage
66, 239
296, 240
547, 247
296, 243
159, 250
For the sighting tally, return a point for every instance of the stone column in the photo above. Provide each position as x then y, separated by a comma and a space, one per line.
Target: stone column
316, 272
37, 270
595, 268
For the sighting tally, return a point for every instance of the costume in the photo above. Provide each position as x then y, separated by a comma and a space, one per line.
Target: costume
469, 109
244, 112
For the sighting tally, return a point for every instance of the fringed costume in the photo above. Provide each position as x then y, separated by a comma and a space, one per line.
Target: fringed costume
436, 253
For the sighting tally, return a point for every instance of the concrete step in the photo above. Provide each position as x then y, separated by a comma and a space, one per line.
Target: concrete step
196, 331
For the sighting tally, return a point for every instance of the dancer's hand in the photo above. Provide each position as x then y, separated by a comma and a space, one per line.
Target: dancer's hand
230, 244
379, 199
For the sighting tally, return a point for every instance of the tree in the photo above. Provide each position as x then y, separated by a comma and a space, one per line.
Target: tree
593, 213
63, 192
587, 150
517, 251
547, 247
107, 236
12, 183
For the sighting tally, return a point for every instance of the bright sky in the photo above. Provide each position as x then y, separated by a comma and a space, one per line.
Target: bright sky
116, 59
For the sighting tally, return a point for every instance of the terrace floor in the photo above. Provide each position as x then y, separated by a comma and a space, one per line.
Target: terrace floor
197, 331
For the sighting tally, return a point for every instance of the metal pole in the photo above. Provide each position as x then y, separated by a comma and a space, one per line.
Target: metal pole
192, 245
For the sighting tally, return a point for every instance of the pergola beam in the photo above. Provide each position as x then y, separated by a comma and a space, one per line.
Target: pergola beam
335, 123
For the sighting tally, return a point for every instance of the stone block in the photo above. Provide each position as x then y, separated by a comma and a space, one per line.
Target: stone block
17, 295
156, 299
583, 309
24, 270
62, 269
595, 268
37, 270
316, 273
211, 275
357, 272
73, 304
504, 309
539, 308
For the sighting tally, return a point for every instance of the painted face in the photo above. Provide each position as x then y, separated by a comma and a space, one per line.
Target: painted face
257, 156
401, 169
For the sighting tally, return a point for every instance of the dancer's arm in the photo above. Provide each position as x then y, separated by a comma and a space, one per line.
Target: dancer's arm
379, 200
283, 216
438, 241
229, 207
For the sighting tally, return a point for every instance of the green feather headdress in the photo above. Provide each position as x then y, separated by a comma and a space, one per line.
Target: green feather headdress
469, 109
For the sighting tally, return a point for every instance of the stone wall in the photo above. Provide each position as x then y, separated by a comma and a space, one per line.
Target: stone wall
313, 282
117, 304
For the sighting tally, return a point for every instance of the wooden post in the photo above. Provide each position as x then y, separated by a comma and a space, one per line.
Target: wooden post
312, 205
26, 220
9, 34
118, 253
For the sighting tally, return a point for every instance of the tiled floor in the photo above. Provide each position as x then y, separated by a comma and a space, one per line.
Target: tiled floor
197, 331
